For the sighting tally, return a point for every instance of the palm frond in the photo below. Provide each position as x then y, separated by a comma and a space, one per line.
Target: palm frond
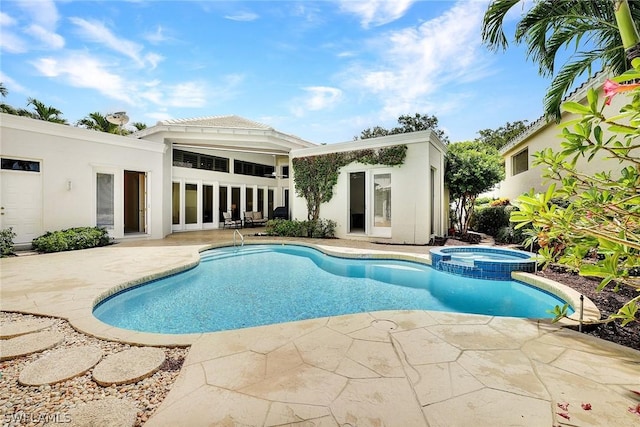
493, 23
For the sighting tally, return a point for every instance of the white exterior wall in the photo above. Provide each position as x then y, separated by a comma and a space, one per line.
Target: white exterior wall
69, 159
411, 194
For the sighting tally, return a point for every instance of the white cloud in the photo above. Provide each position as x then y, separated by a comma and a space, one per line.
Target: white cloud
43, 12
318, 98
187, 94
7, 20
99, 33
415, 67
157, 36
50, 39
243, 16
10, 42
376, 12
81, 70
11, 84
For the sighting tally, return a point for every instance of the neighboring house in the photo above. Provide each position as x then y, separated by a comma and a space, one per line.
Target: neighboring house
520, 173
184, 174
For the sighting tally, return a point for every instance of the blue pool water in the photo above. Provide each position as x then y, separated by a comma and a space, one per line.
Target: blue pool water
264, 284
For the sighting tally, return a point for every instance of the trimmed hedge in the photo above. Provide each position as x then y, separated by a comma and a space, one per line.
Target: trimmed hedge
490, 219
320, 229
71, 239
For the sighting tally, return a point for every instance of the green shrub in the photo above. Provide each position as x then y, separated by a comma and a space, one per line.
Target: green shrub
491, 219
71, 239
6, 241
321, 228
482, 201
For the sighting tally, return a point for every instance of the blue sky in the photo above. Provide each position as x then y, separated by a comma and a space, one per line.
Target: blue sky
323, 71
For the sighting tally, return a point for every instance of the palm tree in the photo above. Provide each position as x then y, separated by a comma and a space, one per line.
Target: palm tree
551, 25
42, 112
6, 108
99, 122
139, 125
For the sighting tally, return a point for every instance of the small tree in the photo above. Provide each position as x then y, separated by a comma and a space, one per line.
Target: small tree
472, 168
315, 177
499, 137
602, 216
597, 233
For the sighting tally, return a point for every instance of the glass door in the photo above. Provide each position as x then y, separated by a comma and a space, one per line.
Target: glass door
382, 204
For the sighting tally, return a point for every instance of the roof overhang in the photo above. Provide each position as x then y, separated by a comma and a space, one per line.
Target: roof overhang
232, 139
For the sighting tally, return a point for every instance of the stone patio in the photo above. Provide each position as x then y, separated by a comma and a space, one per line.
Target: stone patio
392, 368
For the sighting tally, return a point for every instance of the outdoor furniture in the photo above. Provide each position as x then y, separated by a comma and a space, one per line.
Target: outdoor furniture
281, 212
251, 219
230, 222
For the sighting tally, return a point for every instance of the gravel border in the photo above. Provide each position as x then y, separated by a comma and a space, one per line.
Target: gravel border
35, 406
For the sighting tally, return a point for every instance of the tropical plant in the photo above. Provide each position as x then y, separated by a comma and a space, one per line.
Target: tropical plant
550, 26
315, 176
407, 124
6, 108
97, 121
597, 231
139, 125
42, 112
472, 168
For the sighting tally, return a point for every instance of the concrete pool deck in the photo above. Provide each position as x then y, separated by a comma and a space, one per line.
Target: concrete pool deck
392, 368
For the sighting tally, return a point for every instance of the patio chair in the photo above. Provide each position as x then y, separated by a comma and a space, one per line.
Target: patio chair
251, 219
230, 222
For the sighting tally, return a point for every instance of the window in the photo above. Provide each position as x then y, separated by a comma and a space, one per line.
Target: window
520, 162
253, 169
186, 159
104, 200
20, 165
285, 171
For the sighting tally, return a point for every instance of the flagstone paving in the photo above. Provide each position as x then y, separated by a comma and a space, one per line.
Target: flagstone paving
109, 412
394, 368
60, 365
28, 343
128, 366
24, 326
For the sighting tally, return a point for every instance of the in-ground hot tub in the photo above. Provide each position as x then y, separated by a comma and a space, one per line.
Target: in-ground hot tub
482, 262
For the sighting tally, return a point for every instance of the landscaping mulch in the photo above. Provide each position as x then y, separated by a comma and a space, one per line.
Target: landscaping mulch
607, 301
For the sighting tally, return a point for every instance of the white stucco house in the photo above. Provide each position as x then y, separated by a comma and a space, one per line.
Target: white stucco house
183, 175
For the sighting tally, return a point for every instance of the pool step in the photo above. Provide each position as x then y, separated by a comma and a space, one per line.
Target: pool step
212, 256
457, 267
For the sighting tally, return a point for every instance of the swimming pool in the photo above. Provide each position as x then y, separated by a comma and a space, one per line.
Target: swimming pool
256, 285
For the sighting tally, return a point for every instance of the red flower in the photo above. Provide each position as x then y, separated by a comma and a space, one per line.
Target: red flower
586, 406
612, 88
